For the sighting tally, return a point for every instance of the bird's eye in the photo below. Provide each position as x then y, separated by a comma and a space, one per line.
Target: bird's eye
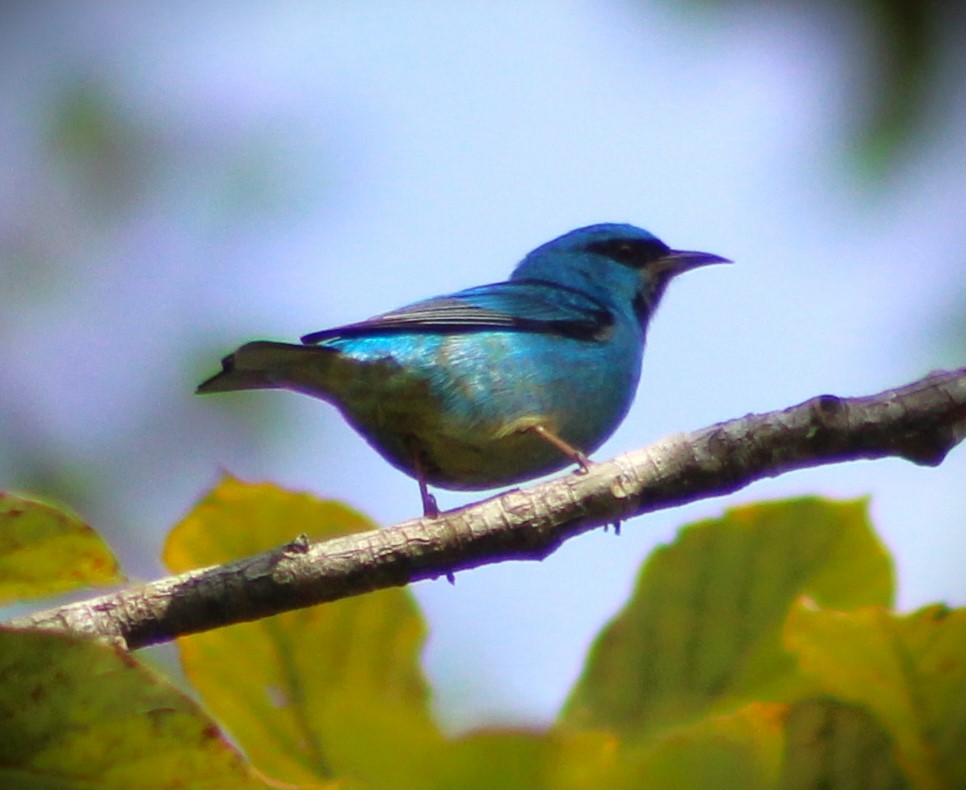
625, 252
630, 252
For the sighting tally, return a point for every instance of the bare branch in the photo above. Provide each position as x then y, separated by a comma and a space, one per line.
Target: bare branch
920, 422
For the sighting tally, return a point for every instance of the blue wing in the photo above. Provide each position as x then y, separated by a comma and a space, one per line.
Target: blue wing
518, 305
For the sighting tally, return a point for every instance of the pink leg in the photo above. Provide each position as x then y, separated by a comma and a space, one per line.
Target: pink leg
567, 449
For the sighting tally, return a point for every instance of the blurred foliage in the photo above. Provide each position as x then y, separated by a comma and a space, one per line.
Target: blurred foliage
912, 44
685, 654
908, 673
106, 168
907, 33
101, 159
758, 651
101, 143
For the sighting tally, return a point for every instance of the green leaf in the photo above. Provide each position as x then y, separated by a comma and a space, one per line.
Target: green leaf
832, 744
741, 750
910, 671
327, 692
518, 759
45, 551
78, 713
702, 630
811, 743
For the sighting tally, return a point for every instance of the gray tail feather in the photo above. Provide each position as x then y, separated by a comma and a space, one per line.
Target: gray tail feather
258, 365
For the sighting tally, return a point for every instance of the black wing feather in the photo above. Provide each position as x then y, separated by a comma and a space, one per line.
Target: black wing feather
518, 305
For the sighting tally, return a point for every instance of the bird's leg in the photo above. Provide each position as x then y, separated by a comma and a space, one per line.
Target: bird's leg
567, 449
430, 508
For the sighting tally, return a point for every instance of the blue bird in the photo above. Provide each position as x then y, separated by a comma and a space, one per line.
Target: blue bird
495, 384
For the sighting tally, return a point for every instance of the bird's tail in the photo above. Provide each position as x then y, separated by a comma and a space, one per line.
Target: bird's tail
262, 364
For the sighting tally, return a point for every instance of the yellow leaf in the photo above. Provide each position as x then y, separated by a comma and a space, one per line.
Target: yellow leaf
45, 551
702, 631
909, 671
78, 713
332, 691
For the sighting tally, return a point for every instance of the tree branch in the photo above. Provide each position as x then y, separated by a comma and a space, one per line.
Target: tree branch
920, 422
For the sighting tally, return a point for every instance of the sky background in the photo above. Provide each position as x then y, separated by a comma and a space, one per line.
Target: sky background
177, 179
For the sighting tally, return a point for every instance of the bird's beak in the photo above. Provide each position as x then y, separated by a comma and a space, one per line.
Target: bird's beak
677, 261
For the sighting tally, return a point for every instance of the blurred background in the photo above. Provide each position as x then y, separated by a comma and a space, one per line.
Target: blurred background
178, 178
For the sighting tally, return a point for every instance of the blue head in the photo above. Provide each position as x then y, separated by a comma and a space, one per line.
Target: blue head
620, 265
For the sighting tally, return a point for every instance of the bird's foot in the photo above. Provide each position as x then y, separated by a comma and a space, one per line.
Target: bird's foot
583, 463
430, 507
